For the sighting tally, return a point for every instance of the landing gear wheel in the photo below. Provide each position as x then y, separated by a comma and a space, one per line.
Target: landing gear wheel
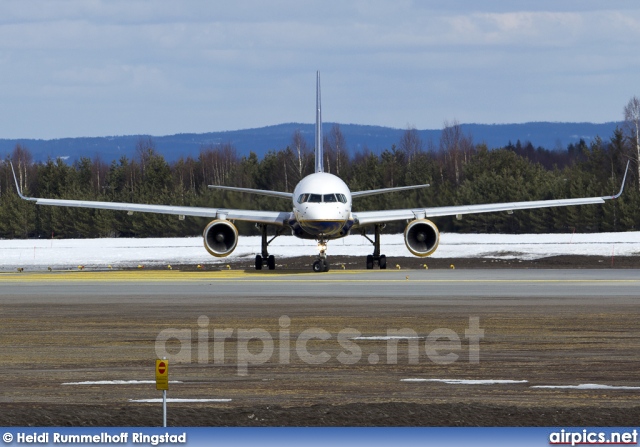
264, 258
376, 258
318, 266
326, 265
369, 262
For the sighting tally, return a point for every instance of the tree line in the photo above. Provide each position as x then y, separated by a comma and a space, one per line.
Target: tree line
458, 170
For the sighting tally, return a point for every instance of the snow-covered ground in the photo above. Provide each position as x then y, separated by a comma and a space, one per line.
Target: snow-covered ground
100, 253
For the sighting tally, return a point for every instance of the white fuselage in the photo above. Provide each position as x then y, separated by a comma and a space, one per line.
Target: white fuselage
322, 206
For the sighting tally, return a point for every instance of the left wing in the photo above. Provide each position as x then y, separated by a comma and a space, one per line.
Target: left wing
265, 217
374, 217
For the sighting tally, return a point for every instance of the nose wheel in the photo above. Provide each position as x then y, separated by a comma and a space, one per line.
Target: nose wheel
320, 265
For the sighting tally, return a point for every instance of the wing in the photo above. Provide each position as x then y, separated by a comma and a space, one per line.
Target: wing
374, 217
266, 217
264, 192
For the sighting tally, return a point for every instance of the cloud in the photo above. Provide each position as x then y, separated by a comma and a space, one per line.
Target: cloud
229, 65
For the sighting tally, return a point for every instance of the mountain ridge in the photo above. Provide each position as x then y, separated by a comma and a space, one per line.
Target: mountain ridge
550, 135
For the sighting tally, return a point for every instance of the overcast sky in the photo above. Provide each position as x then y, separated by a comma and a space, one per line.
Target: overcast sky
97, 68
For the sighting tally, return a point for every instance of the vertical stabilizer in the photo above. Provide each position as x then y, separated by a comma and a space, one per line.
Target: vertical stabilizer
319, 152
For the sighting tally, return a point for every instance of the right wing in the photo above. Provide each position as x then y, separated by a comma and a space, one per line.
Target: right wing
373, 217
364, 218
264, 217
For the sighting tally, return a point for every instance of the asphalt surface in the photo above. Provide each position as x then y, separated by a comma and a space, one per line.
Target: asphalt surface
350, 286
539, 328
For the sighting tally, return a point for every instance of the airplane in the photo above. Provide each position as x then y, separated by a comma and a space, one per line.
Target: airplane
321, 211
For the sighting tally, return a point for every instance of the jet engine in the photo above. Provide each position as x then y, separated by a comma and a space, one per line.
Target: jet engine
220, 238
421, 237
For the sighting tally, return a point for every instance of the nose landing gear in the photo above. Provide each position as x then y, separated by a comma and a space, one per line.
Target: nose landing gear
321, 264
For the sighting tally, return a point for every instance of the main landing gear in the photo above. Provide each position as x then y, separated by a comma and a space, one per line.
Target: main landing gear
265, 258
321, 264
376, 257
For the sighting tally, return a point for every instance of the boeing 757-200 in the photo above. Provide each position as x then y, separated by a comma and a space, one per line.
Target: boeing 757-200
321, 211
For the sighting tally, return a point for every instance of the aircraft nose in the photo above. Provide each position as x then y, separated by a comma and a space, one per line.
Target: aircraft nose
326, 212
323, 218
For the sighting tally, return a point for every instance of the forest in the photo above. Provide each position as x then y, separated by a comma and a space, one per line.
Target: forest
458, 170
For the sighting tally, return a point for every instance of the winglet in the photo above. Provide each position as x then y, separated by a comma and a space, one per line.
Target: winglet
17, 186
624, 180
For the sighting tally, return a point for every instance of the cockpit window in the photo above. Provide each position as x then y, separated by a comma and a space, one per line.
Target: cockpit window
329, 198
326, 198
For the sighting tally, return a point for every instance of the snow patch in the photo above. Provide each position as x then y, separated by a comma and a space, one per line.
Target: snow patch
121, 252
117, 382
169, 400
467, 381
588, 386
387, 337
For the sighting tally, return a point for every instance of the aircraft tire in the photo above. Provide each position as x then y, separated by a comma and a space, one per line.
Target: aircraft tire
369, 262
258, 262
318, 266
383, 262
271, 262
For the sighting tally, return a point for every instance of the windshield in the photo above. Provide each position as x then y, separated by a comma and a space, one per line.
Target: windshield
319, 198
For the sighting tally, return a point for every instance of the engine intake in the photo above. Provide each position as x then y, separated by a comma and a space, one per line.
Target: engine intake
220, 238
421, 237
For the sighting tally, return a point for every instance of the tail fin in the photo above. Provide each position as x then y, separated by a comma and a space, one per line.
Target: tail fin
319, 152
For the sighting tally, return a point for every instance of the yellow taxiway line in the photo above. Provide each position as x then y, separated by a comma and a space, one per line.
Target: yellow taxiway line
157, 275
119, 276
277, 276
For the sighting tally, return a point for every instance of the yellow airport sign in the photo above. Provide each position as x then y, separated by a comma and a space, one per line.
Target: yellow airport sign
162, 374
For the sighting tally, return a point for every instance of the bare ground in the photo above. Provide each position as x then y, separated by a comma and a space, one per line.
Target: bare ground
353, 262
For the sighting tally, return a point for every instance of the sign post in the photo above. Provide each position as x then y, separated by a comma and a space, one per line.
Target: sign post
162, 383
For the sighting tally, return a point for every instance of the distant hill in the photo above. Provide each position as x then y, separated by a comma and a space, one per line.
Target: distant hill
261, 140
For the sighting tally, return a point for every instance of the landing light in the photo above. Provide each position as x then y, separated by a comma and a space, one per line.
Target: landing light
322, 246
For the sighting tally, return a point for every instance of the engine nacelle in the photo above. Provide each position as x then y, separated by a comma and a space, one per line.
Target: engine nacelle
421, 237
220, 238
